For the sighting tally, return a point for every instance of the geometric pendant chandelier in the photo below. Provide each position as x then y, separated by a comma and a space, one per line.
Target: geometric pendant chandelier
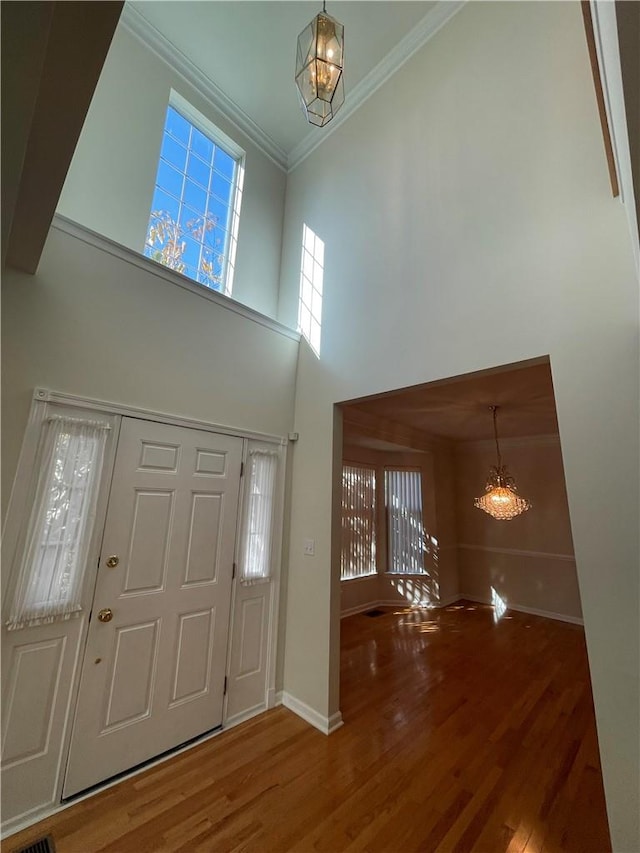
500, 499
319, 68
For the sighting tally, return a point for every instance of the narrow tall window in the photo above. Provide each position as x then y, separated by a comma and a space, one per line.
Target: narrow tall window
258, 518
358, 522
49, 583
193, 225
405, 527
311, 275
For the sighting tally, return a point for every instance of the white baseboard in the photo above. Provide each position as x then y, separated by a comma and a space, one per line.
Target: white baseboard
360, 608
370, 605
445, 602
532, 611
242, 716
272, 698
326, 725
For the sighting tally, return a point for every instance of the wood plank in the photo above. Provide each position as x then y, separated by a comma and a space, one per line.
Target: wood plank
597, 83
461, 734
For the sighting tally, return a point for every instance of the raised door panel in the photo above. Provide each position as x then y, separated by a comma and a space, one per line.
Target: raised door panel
204, 538
132, 675
38, 664
28, 713
210, 463
148, 551
159, 457
251, 629
192, 666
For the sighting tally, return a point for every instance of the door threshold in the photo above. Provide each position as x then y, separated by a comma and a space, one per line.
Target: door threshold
138, 768
10, 828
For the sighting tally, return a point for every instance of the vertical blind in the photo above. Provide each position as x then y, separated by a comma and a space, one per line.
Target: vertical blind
255, 564
49, 582
358, 557
405, 528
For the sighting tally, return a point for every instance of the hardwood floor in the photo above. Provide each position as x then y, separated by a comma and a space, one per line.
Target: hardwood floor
460, 734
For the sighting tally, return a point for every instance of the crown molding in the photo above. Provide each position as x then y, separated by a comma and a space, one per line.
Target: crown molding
489, 444
137, 25
424, 30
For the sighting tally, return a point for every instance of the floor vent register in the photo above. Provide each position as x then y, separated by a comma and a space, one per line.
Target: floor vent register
40, 845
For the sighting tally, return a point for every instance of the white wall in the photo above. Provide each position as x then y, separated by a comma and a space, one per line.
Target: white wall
90, 324
110, 184
529, 561
468, 222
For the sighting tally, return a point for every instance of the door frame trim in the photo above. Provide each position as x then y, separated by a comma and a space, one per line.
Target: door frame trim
46, 395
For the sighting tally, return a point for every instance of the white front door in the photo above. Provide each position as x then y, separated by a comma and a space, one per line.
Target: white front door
153, 672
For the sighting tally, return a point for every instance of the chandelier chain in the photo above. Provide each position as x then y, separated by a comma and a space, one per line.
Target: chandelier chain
494, 409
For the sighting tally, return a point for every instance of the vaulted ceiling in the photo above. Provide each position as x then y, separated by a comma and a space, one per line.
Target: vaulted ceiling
248, 49
245, 49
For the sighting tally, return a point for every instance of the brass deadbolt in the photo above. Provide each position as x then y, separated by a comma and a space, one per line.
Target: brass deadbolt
113, 561
105, 615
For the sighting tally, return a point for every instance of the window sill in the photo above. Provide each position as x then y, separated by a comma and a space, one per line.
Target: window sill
359, 578
423, 574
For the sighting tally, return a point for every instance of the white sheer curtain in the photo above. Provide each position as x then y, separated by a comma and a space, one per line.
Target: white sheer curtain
255, 564
49, 582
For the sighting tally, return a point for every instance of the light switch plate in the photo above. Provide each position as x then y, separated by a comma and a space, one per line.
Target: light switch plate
309, 547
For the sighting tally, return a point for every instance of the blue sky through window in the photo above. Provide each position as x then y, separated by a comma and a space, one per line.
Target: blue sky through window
190, 220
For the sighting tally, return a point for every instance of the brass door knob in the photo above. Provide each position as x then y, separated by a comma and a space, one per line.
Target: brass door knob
113, 561
105, 615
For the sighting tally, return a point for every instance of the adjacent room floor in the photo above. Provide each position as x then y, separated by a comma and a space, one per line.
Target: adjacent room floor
460, 734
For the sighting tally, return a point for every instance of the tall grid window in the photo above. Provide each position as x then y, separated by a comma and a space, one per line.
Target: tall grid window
311, 274
405, 526
358, 522
195, 211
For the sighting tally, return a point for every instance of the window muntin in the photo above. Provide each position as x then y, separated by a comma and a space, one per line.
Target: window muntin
358, 554
194, 218
310, 300
405, 526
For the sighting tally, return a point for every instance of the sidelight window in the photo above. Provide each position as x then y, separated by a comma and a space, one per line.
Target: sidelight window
258, 523
49, 582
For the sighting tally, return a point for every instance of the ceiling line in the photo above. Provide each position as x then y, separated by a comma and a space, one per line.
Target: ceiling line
137, 25
142, 29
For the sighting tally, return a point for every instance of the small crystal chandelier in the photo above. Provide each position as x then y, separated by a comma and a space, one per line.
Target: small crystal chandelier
500, 499
319, 63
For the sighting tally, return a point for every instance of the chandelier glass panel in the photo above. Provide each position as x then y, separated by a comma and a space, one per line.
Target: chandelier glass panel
500, 499
319, 69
